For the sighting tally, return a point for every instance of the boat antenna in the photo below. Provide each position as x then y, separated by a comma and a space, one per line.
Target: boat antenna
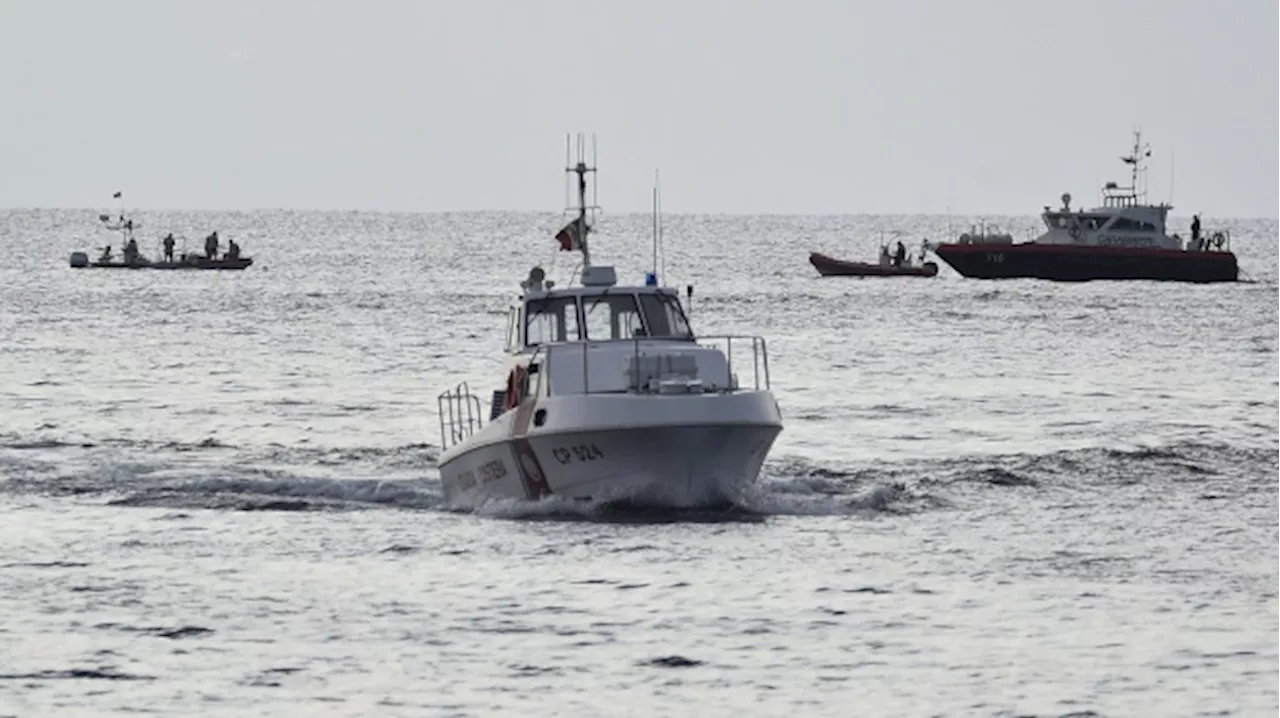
581, 169
662, 233
654, 262
1138, 167
1172, 161
123, 224
659, 261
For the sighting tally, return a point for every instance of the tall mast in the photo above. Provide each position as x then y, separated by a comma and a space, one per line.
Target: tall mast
581, 169
123, 224
1137, 142
654, 263
1138, 167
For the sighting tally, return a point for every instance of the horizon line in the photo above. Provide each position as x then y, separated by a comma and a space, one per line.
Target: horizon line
645, 212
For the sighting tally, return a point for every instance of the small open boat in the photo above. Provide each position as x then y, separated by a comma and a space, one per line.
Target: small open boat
132, 258
832, 267
80, 260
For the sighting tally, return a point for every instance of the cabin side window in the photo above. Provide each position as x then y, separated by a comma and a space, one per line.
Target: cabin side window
513, 329
664, 317
551, 320
612, 316
1132, 225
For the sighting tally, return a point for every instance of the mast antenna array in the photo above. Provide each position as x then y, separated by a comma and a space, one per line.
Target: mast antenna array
1137, 162
584, 164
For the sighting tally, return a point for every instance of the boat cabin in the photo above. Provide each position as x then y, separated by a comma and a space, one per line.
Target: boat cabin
1126, 224
1129, 219
601, 338
591, 314
1125, 218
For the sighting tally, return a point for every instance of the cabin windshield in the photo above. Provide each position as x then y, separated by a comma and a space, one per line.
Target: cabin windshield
612, 316
627, 316
664, 316
551, 320
603, 317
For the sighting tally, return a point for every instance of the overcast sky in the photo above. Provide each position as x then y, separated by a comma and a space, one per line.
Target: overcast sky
746, 106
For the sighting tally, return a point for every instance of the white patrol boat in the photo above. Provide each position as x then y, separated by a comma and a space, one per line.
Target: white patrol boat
609, 396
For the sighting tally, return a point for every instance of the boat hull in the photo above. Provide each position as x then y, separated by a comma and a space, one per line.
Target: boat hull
1075, 263
190, 264
831, 267
652, 451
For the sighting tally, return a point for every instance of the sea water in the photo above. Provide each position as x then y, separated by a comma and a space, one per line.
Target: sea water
218, 492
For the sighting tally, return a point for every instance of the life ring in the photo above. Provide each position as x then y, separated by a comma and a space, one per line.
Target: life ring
1219, 240
515, 387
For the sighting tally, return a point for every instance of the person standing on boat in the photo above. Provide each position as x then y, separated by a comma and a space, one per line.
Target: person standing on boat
1195, 231
211, 246
131, 251
168, 247
900, 254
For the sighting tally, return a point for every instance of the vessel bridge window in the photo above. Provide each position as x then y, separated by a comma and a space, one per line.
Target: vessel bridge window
1064, 221
664, 317
612, 316
1132, 225
551, 320
626, 316
513, 329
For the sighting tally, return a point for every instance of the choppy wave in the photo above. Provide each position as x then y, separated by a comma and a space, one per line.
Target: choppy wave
215, 476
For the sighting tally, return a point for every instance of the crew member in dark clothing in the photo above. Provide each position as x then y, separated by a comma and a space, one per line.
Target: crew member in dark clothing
1195, 231
900, 255
168, 247
131, 251
211, 246
233, 249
